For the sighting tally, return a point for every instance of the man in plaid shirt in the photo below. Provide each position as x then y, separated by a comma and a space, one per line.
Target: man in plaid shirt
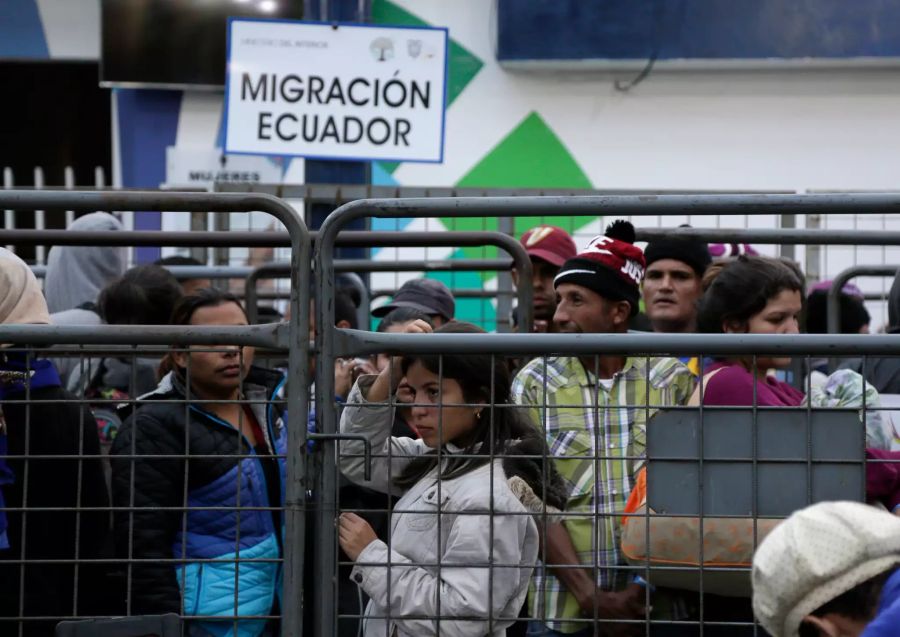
594, 412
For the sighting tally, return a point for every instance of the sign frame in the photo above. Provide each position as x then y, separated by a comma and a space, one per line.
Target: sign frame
336, 25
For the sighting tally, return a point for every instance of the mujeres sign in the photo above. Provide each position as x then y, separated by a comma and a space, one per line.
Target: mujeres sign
335, 91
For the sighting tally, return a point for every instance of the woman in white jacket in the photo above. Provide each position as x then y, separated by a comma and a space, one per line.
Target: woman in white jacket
464, 540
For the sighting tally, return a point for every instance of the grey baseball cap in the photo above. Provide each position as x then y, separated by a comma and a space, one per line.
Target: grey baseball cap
426, 295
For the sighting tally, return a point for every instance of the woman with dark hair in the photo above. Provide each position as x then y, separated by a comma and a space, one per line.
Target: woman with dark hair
463, 542
759, 295
218, 423
756, 295
750, 295
144, 295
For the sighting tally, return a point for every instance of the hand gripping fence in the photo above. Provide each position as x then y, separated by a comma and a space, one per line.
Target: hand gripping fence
291, 337
339, 343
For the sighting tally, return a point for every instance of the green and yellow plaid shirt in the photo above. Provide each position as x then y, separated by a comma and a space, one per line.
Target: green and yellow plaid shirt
598, 436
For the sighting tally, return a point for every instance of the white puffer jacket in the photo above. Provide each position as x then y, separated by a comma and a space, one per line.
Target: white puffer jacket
448, 556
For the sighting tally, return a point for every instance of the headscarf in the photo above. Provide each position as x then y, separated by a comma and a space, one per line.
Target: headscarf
21, 300
76, 274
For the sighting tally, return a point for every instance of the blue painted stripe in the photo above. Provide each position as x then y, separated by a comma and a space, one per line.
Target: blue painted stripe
148, 124
21, 31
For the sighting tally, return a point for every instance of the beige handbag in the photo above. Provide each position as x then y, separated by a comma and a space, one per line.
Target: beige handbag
653, 540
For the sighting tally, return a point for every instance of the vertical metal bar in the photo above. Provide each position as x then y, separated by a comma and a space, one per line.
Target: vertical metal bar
323, 464
69, 182
297, 409
200, 223
787, 251
504, 282
25, 492
813, 252
221, 255
39, 217
9, 216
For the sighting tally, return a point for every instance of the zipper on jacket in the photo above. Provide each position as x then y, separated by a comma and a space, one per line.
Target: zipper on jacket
199, 590
276, 528
271, 430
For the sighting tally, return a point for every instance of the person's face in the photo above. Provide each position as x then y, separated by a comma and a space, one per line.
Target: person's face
781, 315
583, 311
435, 423
836, 625
671, 291
217, 374
192, 285
542, 274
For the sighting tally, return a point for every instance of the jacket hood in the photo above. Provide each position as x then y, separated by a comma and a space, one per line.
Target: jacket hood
21, 300
528, 458
76, 274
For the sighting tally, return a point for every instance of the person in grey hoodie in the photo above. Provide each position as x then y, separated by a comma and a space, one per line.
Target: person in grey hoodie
883, 372
75, 276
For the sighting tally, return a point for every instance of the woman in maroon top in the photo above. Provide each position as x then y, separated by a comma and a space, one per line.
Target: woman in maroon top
750, 295
759, 295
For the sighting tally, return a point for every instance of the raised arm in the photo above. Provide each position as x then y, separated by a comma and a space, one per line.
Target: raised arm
369, 413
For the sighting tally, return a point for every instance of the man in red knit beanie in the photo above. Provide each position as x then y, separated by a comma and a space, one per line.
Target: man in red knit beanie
594, 411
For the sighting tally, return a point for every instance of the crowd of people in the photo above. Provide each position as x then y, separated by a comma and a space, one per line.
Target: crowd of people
497, 487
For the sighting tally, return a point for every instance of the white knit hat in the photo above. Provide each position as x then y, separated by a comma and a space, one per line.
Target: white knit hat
817, 554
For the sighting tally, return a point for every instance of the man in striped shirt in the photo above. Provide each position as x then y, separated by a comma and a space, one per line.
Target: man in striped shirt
594, 412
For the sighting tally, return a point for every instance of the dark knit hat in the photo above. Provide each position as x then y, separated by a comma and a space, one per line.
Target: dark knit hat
690, 251
426, 295
611, 266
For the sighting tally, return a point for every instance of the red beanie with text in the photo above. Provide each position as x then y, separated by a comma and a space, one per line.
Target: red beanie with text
611, 265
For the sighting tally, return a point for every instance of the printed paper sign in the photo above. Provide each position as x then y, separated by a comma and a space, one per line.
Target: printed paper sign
203, 167
335, 91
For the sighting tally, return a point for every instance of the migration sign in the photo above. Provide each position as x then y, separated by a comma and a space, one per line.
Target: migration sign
335, 91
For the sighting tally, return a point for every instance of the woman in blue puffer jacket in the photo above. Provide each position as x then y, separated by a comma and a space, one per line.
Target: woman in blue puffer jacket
220, 423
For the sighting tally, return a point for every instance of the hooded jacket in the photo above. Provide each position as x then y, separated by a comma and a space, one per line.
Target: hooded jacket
40, 419
76, 274
157, 530
475, 519
44, 420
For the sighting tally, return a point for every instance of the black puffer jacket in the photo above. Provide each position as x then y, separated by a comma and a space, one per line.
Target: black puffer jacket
208, 478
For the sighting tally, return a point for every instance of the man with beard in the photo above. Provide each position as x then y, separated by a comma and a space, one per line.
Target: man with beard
548, 248
594, 412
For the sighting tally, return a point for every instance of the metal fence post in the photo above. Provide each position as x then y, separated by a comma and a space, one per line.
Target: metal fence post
834, 292
297, 337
